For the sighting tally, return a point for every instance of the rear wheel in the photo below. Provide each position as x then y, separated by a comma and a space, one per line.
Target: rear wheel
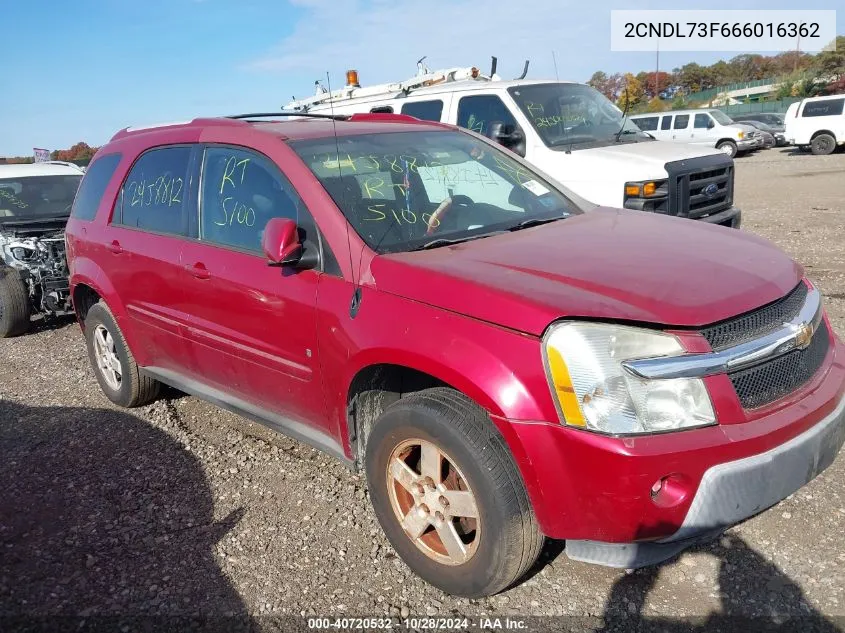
449, 496
727, 147
14, 304
823, 144
119, 376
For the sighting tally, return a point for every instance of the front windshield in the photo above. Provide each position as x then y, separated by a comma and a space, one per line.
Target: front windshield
37, 197
403, 191
721, 117
574, 115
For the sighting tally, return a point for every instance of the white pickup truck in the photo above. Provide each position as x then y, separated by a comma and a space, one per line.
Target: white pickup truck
569, 130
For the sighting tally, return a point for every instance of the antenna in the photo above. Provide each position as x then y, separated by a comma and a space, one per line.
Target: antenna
554, 60
356, 295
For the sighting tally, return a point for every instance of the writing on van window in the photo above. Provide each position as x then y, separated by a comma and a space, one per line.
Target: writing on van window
474, 124
538, 116
380, 212
165, 190
234, 210
12, 199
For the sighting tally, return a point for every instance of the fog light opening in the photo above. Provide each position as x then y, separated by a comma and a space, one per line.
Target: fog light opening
670, 490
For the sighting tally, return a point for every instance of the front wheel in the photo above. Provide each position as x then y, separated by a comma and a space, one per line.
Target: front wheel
14, 304
449, 496
728, 148
822, 145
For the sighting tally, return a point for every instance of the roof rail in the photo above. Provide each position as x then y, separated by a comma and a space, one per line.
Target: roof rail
267, 115
139, 129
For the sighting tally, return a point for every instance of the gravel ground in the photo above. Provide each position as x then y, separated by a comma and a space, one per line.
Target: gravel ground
180, 508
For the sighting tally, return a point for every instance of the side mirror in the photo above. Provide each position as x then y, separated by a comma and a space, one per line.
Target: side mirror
281, 242
508, 136
710, 124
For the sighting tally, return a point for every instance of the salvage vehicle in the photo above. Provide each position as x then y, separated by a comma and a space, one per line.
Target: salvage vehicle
505, 365
569, 130
777, 133
35, 202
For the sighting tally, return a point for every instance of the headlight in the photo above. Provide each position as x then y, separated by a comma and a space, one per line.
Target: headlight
647, 189
594, 391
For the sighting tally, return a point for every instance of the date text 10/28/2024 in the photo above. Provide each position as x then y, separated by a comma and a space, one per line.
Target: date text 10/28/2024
420, 623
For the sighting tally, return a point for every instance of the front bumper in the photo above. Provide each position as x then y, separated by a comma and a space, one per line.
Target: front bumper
730, 493
729, 217
597, 491
746, 145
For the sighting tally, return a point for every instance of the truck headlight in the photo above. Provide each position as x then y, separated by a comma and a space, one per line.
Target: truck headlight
594, 392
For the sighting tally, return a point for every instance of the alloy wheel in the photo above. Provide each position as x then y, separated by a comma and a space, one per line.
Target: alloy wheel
107, 360
433, 502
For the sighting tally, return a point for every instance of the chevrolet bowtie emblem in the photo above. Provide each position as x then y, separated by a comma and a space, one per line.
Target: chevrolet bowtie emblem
803, 335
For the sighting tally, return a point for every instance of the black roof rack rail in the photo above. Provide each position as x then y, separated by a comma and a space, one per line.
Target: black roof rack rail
267, 115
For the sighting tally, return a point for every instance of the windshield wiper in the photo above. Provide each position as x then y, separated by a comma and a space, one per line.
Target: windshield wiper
525, 224
624, 115
443, 241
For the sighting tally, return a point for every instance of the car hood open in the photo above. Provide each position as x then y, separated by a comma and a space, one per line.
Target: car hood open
605, 264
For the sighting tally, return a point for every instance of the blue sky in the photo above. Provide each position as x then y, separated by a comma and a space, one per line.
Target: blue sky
81, 70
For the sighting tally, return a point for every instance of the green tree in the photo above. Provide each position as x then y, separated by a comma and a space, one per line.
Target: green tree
830, 64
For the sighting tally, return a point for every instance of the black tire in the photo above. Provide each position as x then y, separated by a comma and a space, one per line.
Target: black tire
510, 539
14, 303
823, 144
134, 389
728, 147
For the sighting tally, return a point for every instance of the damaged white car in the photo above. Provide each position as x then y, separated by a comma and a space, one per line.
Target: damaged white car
35, 203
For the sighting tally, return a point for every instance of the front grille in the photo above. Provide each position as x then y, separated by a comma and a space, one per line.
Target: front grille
767, 382
758, 323
700, 187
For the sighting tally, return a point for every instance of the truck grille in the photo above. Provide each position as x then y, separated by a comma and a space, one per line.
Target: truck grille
757, 323
700, 187
767, 382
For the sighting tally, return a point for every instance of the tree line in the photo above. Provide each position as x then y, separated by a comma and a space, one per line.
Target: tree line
798, 74
79, 153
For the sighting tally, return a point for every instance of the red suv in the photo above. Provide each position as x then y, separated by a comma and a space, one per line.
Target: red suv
503, 362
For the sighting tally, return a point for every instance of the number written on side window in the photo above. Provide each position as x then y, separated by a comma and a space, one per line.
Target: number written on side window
155, 190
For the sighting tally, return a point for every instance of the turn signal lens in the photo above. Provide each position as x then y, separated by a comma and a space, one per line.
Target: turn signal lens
632, 190
740, 134
649, 188
564, 389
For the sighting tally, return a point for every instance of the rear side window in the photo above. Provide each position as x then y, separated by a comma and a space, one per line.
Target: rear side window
701, 121
155, 191
681, 121
478, 112
426, 110
93, 186
647, 124
829, 107
241, 191
382, 110
666, 122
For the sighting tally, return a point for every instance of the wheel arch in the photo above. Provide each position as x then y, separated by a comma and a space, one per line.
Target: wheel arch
819, 132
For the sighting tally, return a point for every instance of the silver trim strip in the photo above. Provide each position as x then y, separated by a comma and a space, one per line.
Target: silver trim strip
795, 334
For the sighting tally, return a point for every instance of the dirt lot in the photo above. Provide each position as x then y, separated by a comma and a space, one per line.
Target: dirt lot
180, 508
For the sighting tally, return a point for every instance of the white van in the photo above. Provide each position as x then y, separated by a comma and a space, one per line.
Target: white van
817, 122
708, 128
568, 130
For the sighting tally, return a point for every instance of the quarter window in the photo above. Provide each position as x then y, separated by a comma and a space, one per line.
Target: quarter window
156, 190
478, 112
426, 110
666, 122
93, 186
241, 192
647, 124
828, 107
701, 121
681, 121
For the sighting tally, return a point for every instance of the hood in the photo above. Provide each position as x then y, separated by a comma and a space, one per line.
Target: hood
638, 161
604, 264
33, 227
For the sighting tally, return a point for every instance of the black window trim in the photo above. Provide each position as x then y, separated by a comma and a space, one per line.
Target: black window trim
189, 198
323, 248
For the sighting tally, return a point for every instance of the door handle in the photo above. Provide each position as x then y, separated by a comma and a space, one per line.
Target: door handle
115, 247
198, 270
